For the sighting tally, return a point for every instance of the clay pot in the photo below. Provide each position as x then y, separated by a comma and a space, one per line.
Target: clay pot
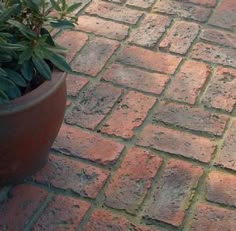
28, 127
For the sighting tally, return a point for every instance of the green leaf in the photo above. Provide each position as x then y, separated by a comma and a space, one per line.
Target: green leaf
6, 14
25, 55
73, 7
55, 5
16, 78
60, 62
5, 83
13, 92
4, 99
49, 39
62, 24
27, 70
42, 67
10, 46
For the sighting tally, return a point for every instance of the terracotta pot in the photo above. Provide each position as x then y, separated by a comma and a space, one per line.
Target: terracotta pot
28, 127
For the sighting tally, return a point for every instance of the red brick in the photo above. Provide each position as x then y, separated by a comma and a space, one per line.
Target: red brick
62, 213
73, 41
140, 57
225, 15
140, 3
214, 54
177, 142
132, 180
170, 199
135, 78
212, 218
76, 142
188, 83
180, 37
74, 84
94, 56
221, 91
150, 30
102, 27
102, 220
227, 153
69, 174
182, 10
93, 106
221, 188
129, 115
114, 12
219, 36
22, 203
192, 118
209, 3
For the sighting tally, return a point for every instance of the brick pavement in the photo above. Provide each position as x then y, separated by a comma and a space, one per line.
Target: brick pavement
149, 137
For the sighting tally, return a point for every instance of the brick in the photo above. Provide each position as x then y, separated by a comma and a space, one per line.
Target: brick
214, 54
177, 142
140, 57
132, 180
193, 118
114, 12
221, 91
171, 197
150, 30
93, 106
75, 42
180, 37
227, 153
94, 56
212, 218
102, 220
76, 142
140, 3
220, 37
21, 204
221, 188
69, 174
208, 3
182, 10
137, 79
74, 84
130, 113
187, 84
102, 27
62, 213
225, 15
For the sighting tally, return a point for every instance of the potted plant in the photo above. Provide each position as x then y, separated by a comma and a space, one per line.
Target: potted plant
32, 90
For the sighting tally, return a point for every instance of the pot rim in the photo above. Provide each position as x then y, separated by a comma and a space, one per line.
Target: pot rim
34, 97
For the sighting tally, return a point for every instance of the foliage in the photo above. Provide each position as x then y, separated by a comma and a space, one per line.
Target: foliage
26, 45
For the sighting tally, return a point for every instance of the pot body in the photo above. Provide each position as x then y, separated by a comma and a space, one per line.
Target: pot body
28, 127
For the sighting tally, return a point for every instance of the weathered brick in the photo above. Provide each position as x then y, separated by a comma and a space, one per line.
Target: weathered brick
140, 57
94, 56
62, 213
221, 188
221, 92
102, 27
140, 3
177, 142
74, 44
188, 83
129, 115
132, 180
227, 153
69, 174
93, 106
212, 218
150, 30
135, 78
21, 204
74, 84
182, 10
225, 15
170, 199
209, 3
102, 220
76, 142
180, 37
219, 36
214, 54
114, 12
192, 118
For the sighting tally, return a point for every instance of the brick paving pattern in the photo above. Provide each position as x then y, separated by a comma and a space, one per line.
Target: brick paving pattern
148, 141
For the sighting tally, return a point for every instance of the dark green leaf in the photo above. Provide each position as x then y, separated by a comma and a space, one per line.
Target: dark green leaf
55, 5
62, 24
42, 67
27, 70
5, 83
25, 55
73, 7
16, 78
60, 62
